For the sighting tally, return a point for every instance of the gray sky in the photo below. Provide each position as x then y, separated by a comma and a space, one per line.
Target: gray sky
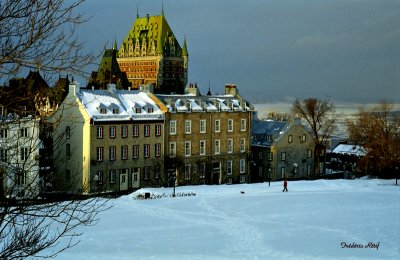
274, 50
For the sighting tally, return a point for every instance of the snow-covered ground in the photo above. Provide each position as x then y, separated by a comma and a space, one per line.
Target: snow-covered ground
319, 219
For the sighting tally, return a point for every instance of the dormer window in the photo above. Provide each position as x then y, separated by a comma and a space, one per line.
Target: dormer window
115, 111
138, 110
102, 109
150, 110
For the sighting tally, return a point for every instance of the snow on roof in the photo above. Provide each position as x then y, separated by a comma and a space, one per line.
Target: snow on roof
350, 150
186, 102
118, 105
101, 105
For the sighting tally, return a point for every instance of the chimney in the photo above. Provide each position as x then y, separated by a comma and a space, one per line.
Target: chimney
111, 87
192, 89
230, 89
74, 88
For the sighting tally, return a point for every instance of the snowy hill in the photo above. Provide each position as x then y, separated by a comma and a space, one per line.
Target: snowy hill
315, 220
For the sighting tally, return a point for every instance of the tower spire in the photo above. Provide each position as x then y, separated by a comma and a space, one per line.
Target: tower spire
162, 8
115, 43
137, 10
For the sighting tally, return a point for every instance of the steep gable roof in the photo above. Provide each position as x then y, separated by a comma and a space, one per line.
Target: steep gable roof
152, 30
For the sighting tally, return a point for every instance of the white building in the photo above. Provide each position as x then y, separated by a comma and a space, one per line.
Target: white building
19, 156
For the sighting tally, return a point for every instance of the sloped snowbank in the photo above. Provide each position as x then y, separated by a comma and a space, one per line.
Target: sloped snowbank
322, 219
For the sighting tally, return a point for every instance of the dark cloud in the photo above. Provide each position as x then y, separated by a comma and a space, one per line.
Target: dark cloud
274, 50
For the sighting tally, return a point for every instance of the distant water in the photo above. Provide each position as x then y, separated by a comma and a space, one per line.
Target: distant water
285, 107
344, 111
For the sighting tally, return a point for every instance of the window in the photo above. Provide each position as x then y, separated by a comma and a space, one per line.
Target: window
242, 144
308, 169
115, 111
309, 153
158, 129
103, 111
283, 156
157, 171
112, 175
20, 177
303, 137
146, 151
99, 154
188, 148
242, 124
135, 151
260, 155
3, 133
269, 138
260, 171
230, 146
124, 152
112, 152
230, 125
99, 132
290, 139
242, 166
23, 132
187, 172
217, 125
124, 131
67, 151
146, 130
242, 178
68, 132
283, 172
3, 155
269, 156
99, 177
112, 131
67, 175
217, 147
202, 126
202, 170
157, 150
172, 149
146, 172
202, 147
229, 167
172, 127
24, 153
135, 130
188, 126
150, 110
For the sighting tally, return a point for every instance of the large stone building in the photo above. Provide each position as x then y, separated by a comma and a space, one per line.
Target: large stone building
19, 156
151, 54
281, 150
25, 141
108, 141
117, 140
207, 138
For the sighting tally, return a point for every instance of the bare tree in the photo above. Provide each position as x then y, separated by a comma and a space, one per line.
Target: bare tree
36, 34
321, 118
378, 131
40, 34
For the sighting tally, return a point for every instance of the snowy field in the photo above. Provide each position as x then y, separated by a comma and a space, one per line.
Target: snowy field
315, 220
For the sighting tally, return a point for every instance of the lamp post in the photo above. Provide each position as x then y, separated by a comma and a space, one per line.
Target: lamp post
174, 181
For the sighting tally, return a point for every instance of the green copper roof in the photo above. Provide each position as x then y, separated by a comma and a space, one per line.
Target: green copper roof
152, 30
184, 48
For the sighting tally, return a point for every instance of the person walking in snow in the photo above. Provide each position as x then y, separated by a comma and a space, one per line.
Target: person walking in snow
284, 185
